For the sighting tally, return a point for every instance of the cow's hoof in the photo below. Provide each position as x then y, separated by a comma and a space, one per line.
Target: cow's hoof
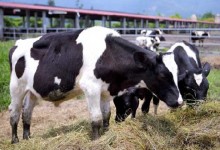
96, 126
14, 140
95, 136
105, 128
26, 136
144, 112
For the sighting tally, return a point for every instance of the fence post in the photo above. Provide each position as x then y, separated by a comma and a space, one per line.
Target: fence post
44, 22
14, 35
1, 23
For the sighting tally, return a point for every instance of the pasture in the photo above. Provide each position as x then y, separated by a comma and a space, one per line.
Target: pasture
68, 127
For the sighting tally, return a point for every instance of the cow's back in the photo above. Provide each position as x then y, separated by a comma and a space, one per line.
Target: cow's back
186, 53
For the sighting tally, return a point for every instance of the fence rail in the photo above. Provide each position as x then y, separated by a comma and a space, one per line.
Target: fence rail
171, 34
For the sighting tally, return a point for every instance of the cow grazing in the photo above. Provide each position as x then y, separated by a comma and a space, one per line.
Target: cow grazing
128, 102
192, 81
192, 78
199, 36
58, 66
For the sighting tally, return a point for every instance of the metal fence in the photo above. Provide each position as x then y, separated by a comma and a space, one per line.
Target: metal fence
171, 35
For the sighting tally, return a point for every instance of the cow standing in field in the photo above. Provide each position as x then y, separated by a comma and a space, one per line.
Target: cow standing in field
95, 61
199, 36
192, 82
150, 39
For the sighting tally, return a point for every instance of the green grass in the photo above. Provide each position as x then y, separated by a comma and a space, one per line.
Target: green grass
4, 74
214, 85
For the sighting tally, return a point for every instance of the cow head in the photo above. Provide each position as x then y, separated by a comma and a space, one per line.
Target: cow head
126, 104
162, 38
194, 84
160, 76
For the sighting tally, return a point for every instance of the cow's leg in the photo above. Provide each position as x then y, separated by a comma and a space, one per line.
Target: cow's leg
92, 92
106, 111
156, 104
28, 107
134, 107
93, 101
17, 96
146, 105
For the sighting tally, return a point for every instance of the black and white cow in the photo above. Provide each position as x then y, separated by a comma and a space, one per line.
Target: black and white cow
199, 36
192, 80
128, 102
150, 39
151, 32
96, 61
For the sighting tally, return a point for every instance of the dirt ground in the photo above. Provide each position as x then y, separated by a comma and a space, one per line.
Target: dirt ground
213, 60
46, 115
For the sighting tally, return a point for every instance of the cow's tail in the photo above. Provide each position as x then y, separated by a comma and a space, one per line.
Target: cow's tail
10, 56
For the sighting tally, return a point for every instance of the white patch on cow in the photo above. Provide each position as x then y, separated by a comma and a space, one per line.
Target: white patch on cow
150, 31
93, 43
143, 32
144, 41
23, 49
122, 92
141, 84
189, 51
198, 78
25, 83
200, 33
172, 67
57, 80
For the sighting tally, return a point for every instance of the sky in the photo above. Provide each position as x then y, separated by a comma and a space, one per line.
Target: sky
149, 7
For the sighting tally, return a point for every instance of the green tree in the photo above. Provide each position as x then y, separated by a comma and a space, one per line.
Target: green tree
176, 16
208, 17
12, 21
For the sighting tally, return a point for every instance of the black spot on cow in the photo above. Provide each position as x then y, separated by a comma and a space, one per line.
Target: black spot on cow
108, 68
59, 56
10, 56
20, 66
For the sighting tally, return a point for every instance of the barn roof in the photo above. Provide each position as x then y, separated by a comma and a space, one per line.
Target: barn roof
92, 12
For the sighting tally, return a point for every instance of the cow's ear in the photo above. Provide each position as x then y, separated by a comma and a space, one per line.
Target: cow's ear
143, 61
206, 69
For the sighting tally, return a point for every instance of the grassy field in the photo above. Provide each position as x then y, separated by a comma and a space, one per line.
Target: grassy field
4, 74
214, 85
